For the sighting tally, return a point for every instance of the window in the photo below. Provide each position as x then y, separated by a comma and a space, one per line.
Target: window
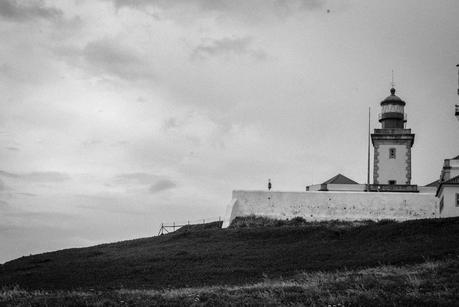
392, 181
441, 205
457, 199
391, 153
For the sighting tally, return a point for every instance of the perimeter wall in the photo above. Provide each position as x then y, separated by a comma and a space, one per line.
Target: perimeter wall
319, 206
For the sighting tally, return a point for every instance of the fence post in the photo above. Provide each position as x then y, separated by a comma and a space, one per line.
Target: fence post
174, 226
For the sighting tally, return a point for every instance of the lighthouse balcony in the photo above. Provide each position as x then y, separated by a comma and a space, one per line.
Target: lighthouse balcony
392, 131
392, 115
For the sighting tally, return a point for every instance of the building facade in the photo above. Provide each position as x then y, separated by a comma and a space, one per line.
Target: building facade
448, 188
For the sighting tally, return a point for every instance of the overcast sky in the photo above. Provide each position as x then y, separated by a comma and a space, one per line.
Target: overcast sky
116, 115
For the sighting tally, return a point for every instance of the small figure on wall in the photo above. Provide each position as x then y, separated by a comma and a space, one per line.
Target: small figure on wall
269, 184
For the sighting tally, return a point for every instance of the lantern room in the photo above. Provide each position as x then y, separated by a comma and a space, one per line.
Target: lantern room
392, 112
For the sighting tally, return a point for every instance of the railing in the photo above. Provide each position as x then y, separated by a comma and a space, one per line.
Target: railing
383, 115
393, 188
168, 227
392, 131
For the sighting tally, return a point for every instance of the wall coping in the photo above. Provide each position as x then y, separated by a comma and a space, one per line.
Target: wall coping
337, 192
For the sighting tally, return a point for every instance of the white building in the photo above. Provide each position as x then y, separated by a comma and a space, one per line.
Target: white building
448, 188
448, 185
391, 196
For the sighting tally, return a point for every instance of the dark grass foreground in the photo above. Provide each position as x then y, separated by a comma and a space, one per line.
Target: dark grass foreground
245, 254
433, 283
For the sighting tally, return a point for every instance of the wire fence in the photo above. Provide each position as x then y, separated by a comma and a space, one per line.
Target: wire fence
168, 227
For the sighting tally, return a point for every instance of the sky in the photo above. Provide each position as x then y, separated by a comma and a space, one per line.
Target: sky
117, 115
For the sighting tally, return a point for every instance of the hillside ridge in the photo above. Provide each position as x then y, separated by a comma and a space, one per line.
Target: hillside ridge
201, 257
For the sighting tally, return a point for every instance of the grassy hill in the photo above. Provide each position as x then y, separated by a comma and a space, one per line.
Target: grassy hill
244, 254
431, 283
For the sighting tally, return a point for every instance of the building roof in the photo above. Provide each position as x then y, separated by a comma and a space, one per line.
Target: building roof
340, 179
451, 181
433, 183
454, 180
455, 158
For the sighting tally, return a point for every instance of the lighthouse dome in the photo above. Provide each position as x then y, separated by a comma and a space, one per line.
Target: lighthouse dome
392, 111
393, 99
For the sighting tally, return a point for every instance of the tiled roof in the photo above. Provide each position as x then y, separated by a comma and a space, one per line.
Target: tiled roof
454, 180
433, 183
340, 179
451, 181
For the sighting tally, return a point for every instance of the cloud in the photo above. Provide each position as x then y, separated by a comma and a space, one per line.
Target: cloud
20, 11
37, 176
12, 148
162, 185
2, 186
247, 10
28, 194
135, 178
91, 142
112, 57
227, 46
170, 124
156, 183
8, 175
108, 57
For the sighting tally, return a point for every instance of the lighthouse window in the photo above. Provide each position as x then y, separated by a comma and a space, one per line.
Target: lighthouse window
457, 199
391, 153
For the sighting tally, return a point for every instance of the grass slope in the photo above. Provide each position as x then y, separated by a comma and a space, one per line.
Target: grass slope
426, 284
204, 257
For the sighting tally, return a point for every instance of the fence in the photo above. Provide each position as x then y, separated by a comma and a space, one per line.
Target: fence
169, 227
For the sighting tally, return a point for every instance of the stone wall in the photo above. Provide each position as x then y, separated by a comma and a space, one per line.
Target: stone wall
317, 206
338, 187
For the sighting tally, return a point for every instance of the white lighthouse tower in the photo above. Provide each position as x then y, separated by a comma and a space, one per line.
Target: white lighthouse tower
392, 148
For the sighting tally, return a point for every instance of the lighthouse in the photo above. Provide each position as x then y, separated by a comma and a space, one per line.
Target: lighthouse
392, 148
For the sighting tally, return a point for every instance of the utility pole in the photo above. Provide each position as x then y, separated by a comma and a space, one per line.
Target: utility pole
456, 113
457, 78
368, 159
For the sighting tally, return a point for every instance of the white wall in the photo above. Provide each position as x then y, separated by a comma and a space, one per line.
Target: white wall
318, 205
428, 190
392, 169
346, 187
315, 187
448, 194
